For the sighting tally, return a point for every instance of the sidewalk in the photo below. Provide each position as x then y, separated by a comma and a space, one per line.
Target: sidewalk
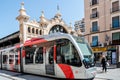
111, 74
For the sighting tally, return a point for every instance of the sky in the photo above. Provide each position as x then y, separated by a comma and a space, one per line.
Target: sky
71, 10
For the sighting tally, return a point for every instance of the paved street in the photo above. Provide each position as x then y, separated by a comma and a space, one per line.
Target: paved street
7, 75
111, 74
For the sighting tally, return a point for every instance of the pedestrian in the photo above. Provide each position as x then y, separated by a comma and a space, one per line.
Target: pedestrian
104, 63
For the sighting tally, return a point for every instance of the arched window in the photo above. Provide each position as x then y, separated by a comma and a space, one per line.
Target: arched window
29, 29
33, 30
40, 32
57, 28
36, 31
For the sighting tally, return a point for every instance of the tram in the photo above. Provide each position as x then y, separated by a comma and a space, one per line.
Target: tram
56, 55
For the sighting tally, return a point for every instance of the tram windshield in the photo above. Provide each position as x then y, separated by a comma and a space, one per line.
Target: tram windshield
86, 51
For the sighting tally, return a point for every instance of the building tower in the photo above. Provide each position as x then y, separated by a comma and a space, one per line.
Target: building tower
22, 18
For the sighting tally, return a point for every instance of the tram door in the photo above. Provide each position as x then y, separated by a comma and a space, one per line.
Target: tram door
50, 62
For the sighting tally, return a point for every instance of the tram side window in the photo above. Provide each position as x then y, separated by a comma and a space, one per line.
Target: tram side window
5, 58
29, 54
39, 55
51, 59
11, 59
67, 54
16, 59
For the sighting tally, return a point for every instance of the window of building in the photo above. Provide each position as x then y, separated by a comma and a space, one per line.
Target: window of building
115, 22
115, 6
67, 54
95, 41
39, 55
40, 32
36, 31
116, 38
29, 29
94, 26
94, 2
94, 13
33, 30
94, 10
57, 28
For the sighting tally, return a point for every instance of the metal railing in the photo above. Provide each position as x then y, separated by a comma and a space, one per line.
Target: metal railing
94, 15
115, 9
92, 30
114, 27
94, 2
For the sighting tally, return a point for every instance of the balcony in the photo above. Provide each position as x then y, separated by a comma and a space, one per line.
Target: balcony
113, 27
94, 15
95, 29
115, 9
94, 2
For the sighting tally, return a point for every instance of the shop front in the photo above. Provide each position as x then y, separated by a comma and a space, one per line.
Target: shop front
112, 54
109, 51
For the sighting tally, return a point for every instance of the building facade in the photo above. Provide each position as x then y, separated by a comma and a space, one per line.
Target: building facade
80, 25
31, 28
102, 27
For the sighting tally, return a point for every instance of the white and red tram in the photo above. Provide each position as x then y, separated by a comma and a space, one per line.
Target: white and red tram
56, 55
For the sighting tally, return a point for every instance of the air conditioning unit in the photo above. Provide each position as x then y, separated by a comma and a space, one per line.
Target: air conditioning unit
105, 44
101, 44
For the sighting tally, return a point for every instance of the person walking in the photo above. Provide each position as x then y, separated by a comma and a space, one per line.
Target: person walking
104, 64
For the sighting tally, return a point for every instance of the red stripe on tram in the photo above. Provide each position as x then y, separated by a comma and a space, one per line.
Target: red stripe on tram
67, 71
28, 43
23, 53
44, 49
17, 46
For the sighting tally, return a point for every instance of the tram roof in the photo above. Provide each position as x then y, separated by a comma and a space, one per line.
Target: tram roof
46, 38
41, 39
55, 36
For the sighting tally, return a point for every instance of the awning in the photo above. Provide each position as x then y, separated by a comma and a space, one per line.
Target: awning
99, 49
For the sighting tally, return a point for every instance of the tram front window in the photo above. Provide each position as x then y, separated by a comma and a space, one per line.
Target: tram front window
86, 51
67, 54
